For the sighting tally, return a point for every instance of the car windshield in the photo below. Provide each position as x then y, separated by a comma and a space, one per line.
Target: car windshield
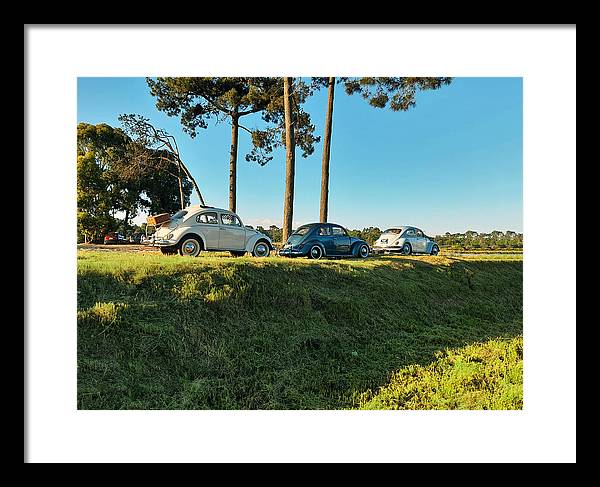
393, 230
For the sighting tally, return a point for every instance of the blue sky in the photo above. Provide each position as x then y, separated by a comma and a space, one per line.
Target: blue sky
452, 163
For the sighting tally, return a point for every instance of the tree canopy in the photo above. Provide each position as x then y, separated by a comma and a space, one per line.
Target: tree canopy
397, 93
198, 101
110, 180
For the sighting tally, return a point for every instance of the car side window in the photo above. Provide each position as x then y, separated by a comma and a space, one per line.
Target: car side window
409, 233
339, 231
231, 220
210, 218
419, 233
323, 231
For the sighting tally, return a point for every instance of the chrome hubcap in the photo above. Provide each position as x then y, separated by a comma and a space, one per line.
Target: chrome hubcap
315, 252
261, 250
364, 251
190, 247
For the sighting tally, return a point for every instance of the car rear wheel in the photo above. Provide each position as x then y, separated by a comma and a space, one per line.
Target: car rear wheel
261, 249
315, 252
363, 251
435, 250
406, 249
190, 247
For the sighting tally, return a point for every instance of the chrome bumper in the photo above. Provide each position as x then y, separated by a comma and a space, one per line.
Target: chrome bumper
159, 242
289, 252
391, 248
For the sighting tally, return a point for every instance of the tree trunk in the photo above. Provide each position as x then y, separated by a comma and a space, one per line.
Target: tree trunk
290, 162
233, 159
326, 155
188, 174
180, 186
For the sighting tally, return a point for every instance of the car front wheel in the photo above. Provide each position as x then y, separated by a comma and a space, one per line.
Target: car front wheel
435, 250
261, 249
363, 251
406, 249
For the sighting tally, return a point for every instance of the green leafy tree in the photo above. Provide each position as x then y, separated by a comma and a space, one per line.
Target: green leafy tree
198, 101
162, 192
273, 232
100, 193
266, 140
111, 179
396, 92
485, 241
371, 234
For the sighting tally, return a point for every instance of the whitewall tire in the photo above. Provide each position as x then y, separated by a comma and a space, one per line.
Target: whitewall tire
261, 249
190, 247
315, 252
363, 251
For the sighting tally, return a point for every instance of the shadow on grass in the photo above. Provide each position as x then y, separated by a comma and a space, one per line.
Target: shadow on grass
279, 334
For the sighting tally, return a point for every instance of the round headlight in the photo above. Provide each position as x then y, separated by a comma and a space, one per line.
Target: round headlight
169, 236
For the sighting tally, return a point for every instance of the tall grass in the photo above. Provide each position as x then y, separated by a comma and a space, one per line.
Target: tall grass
479, 376
215, 332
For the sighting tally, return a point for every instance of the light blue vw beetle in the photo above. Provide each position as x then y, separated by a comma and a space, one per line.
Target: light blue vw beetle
405, 240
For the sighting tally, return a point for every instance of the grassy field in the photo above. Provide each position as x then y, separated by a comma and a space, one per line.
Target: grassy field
217, 332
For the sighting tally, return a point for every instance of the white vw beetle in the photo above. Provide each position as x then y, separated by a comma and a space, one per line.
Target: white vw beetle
197, 228
406, 240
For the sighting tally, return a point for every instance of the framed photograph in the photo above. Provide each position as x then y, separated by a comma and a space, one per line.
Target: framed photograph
298, 260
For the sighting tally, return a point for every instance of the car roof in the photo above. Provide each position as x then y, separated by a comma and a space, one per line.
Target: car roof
315, 224
203, 207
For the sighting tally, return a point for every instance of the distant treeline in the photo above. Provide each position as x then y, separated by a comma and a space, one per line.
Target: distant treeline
472, 240
469, 240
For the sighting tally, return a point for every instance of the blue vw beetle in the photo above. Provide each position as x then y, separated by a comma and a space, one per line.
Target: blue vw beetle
316, 240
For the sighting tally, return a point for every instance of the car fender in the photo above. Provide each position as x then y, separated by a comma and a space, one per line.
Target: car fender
399, 243
312, 241
251, 242
356, 245
430, 245
180, 232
